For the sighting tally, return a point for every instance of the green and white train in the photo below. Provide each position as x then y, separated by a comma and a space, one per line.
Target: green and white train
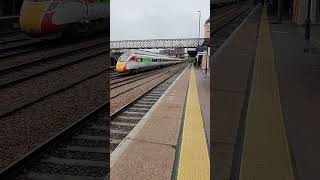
137, 60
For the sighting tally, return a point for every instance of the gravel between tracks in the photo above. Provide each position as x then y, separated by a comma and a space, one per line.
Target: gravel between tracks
45, 53
125, 87
46, 65
32, 89
26, 128
118, 102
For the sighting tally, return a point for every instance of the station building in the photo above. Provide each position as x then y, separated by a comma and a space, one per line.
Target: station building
300, 9
296, 10
206, 54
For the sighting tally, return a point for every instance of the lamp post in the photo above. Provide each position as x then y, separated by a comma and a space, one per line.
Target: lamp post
207, 60
279, 10
308, 21
198, 37
199, 27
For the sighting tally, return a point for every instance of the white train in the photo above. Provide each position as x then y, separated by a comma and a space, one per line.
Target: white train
44, 17
137, 60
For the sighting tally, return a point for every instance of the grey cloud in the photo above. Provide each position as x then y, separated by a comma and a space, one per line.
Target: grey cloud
150, 19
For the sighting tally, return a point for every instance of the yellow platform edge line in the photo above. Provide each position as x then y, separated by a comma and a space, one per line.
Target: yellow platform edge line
265, 153
194, 163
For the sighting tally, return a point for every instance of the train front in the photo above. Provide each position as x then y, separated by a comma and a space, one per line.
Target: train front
36, 17
121, 65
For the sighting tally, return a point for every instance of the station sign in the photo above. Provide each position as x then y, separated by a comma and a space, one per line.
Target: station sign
201, 48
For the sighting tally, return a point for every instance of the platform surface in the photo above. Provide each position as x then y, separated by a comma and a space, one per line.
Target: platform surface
299, 76
230, 78
278, 129
203, 84
151, 153
193, 152
265, 153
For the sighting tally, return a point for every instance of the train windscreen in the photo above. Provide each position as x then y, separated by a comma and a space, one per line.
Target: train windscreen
124, 57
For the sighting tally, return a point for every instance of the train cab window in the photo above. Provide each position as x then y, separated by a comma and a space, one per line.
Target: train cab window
124, 57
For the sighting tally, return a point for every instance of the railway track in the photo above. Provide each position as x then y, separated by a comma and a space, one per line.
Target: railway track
228, 14
125, 79
10, 33
22, 45
78, 152
71, 75
226, 20
12, 39
131, 84
23, 71
135, 80
81, 151
13, 76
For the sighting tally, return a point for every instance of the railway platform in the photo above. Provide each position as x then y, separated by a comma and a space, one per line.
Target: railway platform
266, 94
170, 140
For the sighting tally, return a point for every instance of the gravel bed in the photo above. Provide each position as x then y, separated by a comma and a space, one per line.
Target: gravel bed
125, 128
79, 155
88, 143
58, 49
12, 38
138, 110
126, 120
72, 170
37, 87
100, 123
118, 102
126, 86
225, 32
26, 128
94, 132
47, 65
117, 136
133, 76
113, 147
17, 44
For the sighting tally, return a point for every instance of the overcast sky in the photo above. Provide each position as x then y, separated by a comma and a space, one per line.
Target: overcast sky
157, 19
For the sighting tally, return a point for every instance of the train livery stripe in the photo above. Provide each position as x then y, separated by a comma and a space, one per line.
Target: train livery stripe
194, 157
265, 150
32, 14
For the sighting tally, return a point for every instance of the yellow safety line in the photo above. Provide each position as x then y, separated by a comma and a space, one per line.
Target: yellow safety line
194, 158
265, 153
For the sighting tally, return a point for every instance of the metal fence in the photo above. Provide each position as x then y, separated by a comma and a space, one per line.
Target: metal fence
158, 43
